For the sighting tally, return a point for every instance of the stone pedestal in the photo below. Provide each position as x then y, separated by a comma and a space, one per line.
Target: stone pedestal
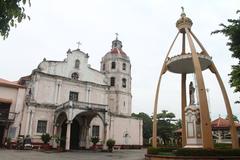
193, 127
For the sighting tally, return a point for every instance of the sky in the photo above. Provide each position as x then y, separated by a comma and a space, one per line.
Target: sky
146, 29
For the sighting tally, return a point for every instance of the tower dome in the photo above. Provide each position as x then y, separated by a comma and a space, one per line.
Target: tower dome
117, 48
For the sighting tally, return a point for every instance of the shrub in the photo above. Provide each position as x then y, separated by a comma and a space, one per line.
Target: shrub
222, 146
57, 139
152, 150
95, 140
46, 138
110, 144
205, 152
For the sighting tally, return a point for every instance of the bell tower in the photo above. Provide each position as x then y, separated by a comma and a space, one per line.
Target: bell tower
117, 68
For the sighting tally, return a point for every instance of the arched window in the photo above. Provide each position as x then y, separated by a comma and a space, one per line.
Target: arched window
113, 65
124, 83
112, 81
77, 63
75, 76
124, 66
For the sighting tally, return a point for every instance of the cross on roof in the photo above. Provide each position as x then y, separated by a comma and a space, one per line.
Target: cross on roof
79, 43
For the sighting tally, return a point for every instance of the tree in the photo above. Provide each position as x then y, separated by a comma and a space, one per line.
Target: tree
178, 124
12, 12
147, 125
235, 118
166, 116
165, 127
232, 31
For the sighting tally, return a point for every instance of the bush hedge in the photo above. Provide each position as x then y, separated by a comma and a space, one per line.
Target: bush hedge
205, 152
152, 150
222, 146
193, 151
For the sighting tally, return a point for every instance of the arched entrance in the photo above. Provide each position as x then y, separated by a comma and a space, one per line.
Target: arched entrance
79, 138
79, 129
61, 128
72, 124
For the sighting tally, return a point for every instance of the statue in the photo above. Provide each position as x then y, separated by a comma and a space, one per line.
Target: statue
191, 93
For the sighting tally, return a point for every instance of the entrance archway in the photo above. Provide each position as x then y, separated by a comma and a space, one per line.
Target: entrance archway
61, 128
75, 130
79, 138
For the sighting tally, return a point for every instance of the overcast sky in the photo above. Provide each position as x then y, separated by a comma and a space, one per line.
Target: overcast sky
146, 29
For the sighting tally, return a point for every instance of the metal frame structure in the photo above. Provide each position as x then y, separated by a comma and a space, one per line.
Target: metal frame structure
184, 26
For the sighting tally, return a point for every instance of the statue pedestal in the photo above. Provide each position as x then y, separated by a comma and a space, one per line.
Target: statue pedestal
193, 127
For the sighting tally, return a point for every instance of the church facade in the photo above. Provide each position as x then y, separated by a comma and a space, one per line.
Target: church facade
71, 100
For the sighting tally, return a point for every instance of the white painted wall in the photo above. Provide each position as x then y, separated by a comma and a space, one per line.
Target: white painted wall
49, 92
67, 67
119, 126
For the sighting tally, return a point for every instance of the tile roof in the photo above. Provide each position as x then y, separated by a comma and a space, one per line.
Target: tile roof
6, 83
222, 123
118, 51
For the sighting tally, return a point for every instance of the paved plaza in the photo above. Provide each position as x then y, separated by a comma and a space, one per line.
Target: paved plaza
72, 155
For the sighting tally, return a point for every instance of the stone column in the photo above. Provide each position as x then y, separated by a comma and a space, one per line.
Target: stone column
31, 123
28, 122
105, 137
82, 136
55, 128
68, 135
87, 137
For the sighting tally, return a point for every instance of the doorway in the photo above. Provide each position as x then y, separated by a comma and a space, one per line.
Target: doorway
2, 129
75, 132
4, 112
63, 134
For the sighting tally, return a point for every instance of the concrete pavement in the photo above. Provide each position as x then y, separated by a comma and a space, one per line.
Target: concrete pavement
72, 155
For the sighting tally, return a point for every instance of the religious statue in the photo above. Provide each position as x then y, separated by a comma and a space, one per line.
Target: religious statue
191, 93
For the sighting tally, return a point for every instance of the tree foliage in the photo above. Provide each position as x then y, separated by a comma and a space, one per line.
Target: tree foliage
165, 115
165, 126
12, 12
232, 31
235, 118
147, 125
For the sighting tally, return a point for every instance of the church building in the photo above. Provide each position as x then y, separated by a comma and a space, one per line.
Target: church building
71, 100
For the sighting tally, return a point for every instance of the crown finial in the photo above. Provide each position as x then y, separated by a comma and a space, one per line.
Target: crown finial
183, 22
